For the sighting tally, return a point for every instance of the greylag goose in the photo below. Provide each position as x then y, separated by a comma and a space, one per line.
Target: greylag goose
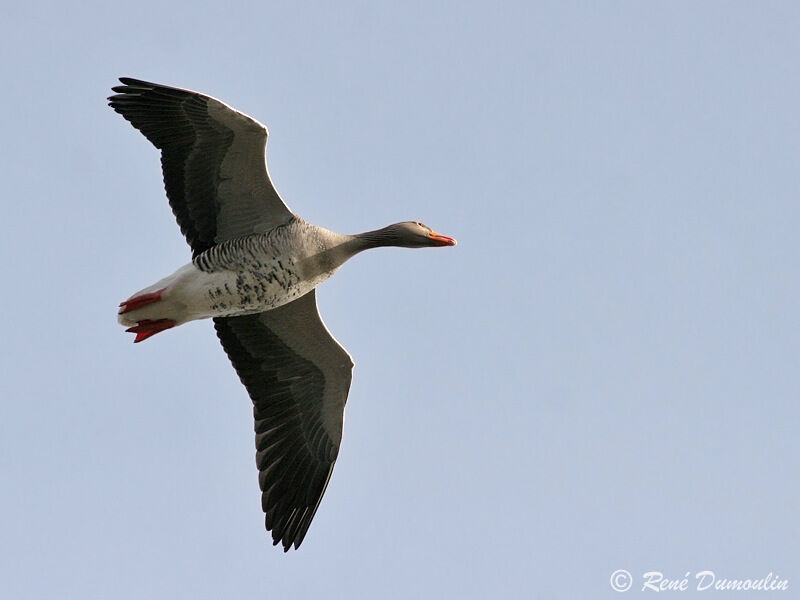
255, 266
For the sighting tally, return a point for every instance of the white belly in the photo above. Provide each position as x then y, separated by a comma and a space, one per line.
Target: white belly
191, 294
228, 293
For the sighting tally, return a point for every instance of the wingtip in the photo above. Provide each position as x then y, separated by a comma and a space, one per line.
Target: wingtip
286, 544
131, 81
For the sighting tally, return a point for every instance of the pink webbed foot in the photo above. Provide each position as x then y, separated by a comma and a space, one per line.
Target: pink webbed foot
145, 329
140, 301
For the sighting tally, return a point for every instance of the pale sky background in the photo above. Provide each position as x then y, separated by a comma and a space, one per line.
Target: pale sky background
602, 375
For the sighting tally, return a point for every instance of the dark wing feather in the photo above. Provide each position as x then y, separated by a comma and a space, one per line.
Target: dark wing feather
213, 161
298, 377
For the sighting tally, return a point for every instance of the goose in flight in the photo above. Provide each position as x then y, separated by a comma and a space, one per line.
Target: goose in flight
255, 266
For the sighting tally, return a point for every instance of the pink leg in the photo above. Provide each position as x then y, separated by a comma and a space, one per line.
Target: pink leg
145, 329
141, 301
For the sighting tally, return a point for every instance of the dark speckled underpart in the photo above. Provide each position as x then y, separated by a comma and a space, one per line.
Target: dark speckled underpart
265, 271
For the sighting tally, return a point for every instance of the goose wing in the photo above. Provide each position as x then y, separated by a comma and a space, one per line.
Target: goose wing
213, 159
298, 377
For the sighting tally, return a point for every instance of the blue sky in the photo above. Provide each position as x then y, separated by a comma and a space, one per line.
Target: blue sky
602, 375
